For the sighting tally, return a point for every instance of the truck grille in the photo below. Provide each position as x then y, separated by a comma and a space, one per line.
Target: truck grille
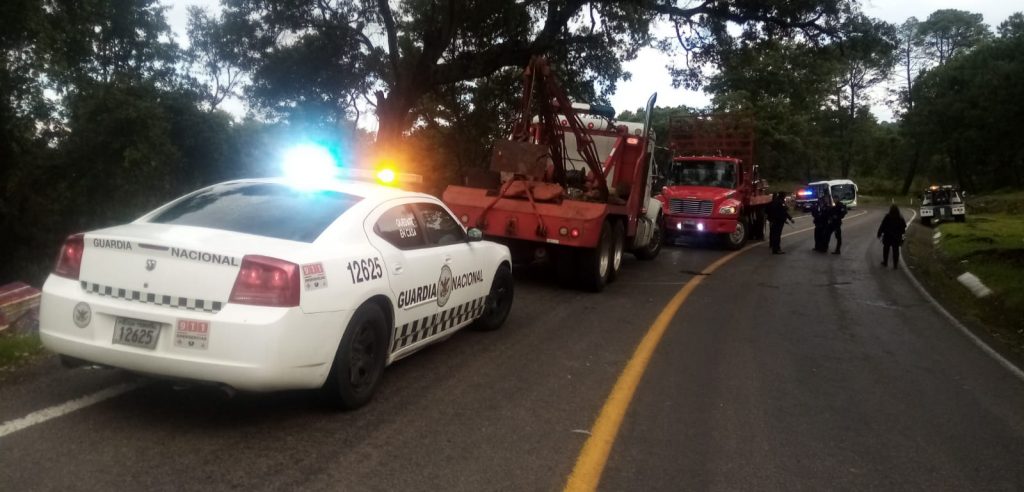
689, 207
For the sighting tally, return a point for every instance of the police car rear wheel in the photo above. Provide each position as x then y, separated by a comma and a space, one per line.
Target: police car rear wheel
498, 302
359, 361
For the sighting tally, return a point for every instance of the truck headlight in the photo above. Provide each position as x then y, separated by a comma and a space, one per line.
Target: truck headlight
727, 210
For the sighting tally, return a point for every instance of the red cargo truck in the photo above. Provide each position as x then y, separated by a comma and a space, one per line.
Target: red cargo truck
712, 187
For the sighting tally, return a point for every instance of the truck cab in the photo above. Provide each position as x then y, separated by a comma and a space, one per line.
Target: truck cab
712, 185
711, 195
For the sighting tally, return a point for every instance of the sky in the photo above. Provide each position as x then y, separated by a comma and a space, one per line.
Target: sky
648, 69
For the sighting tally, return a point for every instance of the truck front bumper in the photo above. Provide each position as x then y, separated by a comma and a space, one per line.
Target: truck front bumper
676, 225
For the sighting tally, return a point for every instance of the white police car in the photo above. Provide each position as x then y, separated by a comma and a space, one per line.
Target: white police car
261, 286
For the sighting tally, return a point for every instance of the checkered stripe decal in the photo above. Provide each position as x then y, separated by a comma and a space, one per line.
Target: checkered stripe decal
429, 326
151, 298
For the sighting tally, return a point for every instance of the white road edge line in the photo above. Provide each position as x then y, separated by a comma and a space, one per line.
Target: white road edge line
1016, 371
65, 408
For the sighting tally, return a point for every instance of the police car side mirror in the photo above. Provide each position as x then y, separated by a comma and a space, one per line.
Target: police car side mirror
474, 234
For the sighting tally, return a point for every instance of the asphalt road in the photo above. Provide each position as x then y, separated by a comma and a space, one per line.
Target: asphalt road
801, 371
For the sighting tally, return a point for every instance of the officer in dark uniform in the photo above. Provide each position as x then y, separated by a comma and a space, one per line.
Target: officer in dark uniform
890, 231
777, 217
836, 225
821, 212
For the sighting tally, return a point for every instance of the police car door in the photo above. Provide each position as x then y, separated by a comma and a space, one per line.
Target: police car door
465, 276
413, 268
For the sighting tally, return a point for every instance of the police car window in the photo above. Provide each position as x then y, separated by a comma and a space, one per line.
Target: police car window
440, 227
400, 227
263, 209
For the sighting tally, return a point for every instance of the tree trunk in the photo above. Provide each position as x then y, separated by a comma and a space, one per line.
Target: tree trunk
393, 115
908, 180
847, 134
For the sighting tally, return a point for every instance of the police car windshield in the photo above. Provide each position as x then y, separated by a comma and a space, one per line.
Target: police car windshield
720, 174
263, 209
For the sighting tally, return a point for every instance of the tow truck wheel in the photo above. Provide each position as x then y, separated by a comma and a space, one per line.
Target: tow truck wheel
960, 218
596, 263
618, 244
926, 221
359, 361
738, 237
651, 250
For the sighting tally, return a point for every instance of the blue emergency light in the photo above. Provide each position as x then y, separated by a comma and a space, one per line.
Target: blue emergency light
309, 165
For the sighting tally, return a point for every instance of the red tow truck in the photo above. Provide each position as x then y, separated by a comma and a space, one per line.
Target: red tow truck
574, 189
712, 187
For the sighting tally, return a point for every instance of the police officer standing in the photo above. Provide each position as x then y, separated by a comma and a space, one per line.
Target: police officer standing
890, 231
838, 211
777, 217
822, 213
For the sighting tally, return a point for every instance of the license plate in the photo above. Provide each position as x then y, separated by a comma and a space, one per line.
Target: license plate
136, 333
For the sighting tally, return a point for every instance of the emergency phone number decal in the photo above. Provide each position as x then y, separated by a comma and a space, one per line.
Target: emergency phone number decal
314, 276
365, 270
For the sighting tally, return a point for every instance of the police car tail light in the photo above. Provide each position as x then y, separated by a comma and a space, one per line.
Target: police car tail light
265, 281
69, 262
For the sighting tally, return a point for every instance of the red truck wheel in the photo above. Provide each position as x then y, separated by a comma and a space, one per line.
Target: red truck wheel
738, 237
618, 245
596, 263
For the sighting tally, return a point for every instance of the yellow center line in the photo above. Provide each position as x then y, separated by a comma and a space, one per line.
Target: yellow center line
594, 456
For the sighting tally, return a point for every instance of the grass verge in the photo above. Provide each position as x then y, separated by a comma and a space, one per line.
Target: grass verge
18, 348
991, 246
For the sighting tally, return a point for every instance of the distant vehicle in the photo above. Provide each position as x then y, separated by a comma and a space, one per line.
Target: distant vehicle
842, 190
942, 203
259, 285
713, 186
808, 195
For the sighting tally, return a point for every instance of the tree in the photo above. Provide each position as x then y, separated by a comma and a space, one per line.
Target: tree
215, 57
126, 41
786, 85
1013, 26
25, 117
948, 32
392, 55
933, 42
866, 55
912, 61
969, 112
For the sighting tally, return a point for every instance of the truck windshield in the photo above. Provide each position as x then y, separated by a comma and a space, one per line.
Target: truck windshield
843, 192
941, 197
719, 174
